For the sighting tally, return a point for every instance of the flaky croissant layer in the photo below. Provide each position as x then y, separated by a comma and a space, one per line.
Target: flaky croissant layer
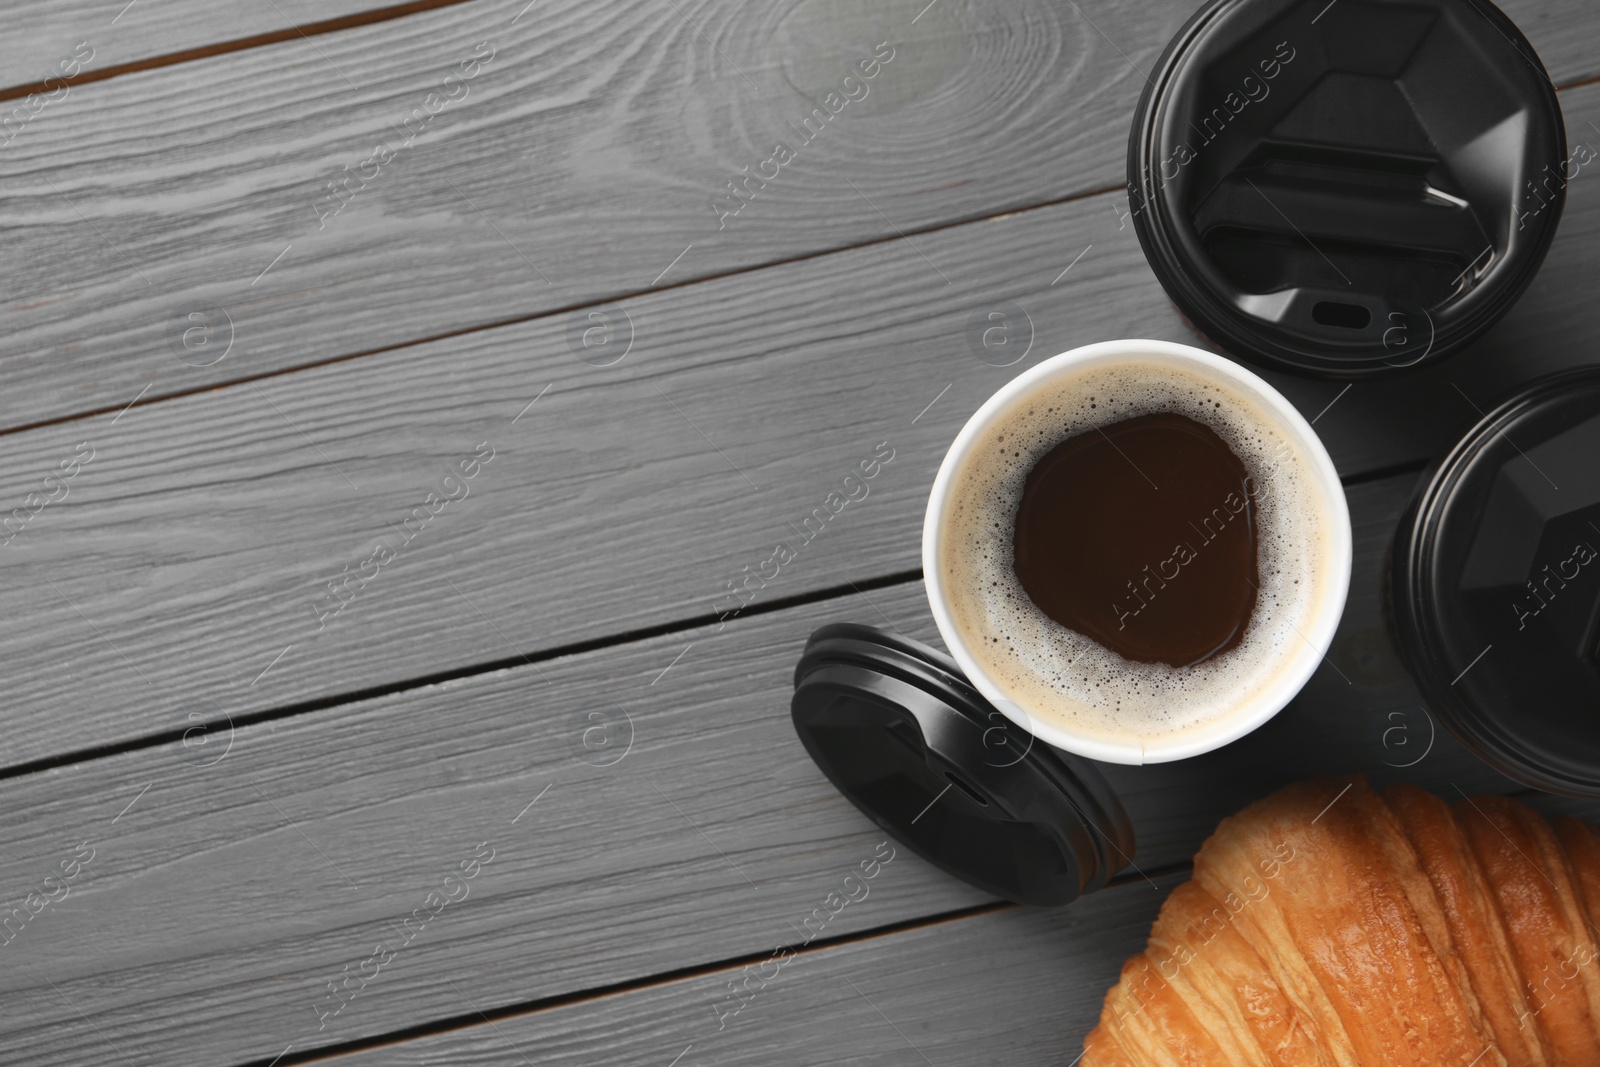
1330, 925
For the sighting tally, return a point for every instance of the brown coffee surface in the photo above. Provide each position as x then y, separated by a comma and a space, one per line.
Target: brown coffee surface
1141, 535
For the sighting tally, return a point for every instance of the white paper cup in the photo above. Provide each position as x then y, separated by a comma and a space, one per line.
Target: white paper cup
1289, 674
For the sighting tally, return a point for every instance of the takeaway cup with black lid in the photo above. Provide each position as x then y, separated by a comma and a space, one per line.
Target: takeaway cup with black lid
1346, 189
1495, 585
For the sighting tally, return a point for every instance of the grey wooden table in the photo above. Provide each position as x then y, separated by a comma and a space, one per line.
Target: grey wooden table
391, 395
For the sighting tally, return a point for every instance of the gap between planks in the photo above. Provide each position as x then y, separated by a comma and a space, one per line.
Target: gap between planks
467, 1020
520, 659
661, 629
259, 40
1131, 877
333, 25
566, 309
398, 11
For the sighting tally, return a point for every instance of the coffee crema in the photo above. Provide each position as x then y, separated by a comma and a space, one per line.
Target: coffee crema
1126, 619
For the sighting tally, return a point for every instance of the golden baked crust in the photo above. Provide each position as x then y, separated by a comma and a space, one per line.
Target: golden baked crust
1332, 926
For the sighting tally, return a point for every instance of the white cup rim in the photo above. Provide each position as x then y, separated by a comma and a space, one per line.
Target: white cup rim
1290, 678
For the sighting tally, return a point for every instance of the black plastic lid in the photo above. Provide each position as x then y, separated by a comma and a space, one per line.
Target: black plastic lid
1345, 189
1495, 586
897, 728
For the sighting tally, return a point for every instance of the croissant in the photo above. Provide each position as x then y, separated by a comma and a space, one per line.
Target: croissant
1333, 926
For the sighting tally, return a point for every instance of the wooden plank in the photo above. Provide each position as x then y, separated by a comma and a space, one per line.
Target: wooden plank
125, 34
1568, 59
626, 497
1018, 987
222, 896
581, 163
234, 850
121, 34
597, 136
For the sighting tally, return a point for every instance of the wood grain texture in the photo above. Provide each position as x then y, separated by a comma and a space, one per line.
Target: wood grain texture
221, 900
1020, 987
1567, 57
192, 550
581, 162
607, 878
40, 32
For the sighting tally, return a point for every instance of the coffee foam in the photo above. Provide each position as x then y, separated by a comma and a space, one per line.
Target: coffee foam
1053, 671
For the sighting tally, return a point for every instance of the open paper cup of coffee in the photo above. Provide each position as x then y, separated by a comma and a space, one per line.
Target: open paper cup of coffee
1137, 551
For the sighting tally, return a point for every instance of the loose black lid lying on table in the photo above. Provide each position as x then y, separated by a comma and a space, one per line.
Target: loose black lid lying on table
897, 728
1495, 586
1345, 189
